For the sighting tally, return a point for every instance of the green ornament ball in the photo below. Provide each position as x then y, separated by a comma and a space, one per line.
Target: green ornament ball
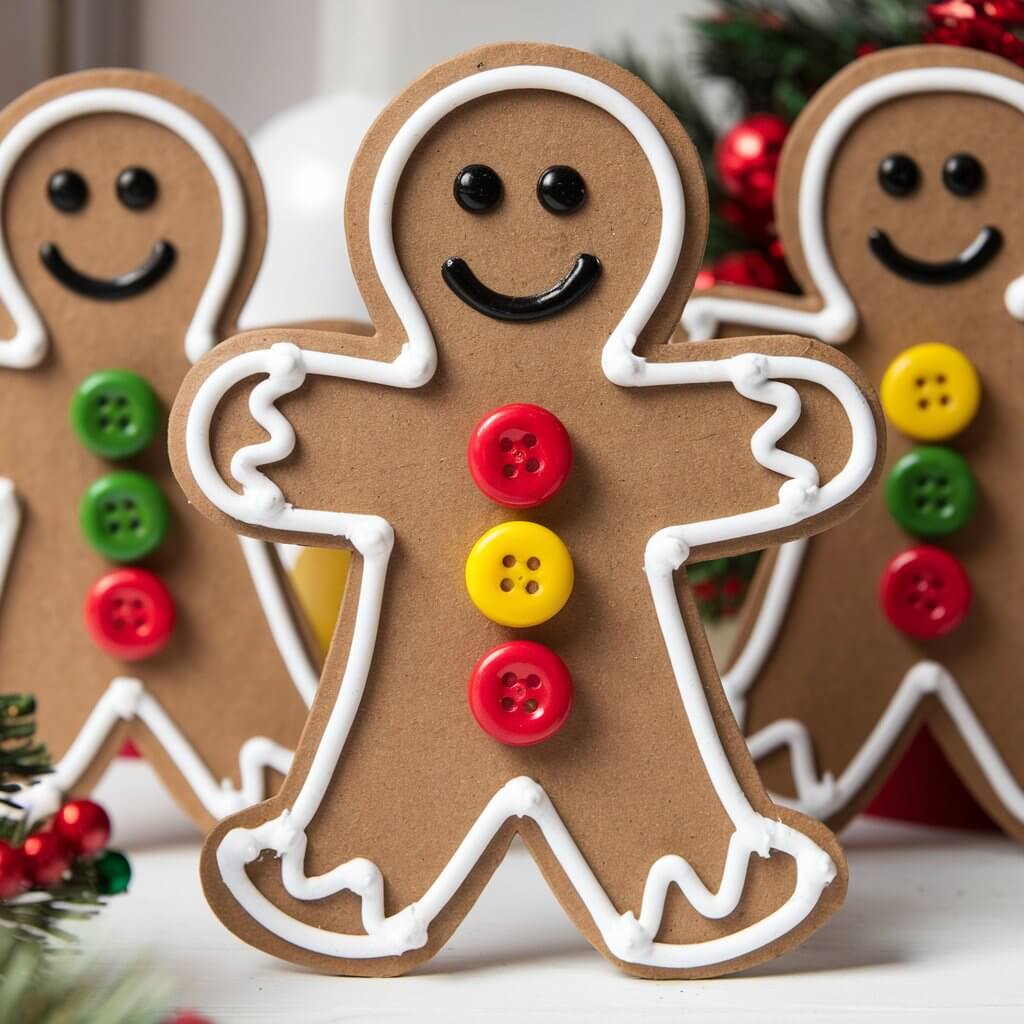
113, 873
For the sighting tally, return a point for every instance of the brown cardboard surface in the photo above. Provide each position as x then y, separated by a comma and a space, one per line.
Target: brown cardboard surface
221, 678
624, 772
838, 661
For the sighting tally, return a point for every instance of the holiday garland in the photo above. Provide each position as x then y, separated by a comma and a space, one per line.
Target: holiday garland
774, 58
52, 871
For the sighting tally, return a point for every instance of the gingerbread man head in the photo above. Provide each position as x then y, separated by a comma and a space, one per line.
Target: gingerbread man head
897, 206
510, 457
132, 225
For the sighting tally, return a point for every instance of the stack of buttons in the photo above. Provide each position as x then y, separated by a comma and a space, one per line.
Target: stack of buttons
930, 392
520, 574
129, 613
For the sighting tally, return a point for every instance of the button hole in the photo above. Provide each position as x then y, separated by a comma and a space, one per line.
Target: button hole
944, 400
507, 584
509, 470
919, 382
533, 563
923, 403
508, 679
532, 465
532, 587
505, 444
530, 705
508, 561
532, 681
508, 703
529, 441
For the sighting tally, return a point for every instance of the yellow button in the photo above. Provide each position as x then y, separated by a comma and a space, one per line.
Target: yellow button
519, 574
930, 391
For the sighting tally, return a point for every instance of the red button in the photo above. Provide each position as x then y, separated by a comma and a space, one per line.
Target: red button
925, 592
129, 614
519, 455
520, 693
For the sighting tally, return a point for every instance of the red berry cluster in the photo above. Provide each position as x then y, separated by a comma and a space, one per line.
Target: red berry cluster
746, 167
996, 26
80, 828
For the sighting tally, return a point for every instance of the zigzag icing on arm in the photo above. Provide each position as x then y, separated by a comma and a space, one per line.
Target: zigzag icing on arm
836, 321
823, 795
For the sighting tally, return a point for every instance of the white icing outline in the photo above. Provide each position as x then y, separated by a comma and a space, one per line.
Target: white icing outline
125, 700
10, 524
824, 795
27, 349
261, 503
30, 342
837, 320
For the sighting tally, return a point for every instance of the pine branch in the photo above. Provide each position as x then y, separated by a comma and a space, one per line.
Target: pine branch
778, 55
34, 990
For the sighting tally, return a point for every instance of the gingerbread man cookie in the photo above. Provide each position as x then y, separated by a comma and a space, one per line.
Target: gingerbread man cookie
509, 458
132, 226
898, 209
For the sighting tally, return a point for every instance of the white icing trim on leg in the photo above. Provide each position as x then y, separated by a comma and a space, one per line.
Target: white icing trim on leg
747, 667
29, 344
260, 502
278, 613
824, 795
836, 321
127, 699
10, 524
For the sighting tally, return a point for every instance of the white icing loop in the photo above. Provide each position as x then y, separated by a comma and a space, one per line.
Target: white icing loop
836, 321
758, 377
29, 344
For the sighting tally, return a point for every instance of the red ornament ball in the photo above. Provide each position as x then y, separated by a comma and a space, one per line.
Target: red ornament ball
13, 872
750, 268
83, 825
47, 858
747, 159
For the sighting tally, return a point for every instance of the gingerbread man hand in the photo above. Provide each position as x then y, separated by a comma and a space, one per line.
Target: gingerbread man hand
898, 207
131, 228
510, 457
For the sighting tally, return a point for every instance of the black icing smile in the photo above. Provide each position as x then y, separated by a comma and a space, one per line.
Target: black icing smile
977, 255
521, 308
134, 282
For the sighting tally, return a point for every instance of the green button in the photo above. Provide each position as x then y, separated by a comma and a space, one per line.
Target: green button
931, 492
115, 413
124, 516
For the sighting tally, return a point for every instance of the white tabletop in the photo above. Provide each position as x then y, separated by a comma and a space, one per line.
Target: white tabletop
933, 930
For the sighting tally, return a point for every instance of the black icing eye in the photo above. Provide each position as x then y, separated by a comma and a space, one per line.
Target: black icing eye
477, 188
68, 191
136, 188
962, 174
898, 174
561, 189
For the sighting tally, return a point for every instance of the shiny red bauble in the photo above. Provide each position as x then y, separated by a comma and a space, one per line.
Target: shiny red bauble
749, 268
13, 872
747, 159
47, 858
83, 825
